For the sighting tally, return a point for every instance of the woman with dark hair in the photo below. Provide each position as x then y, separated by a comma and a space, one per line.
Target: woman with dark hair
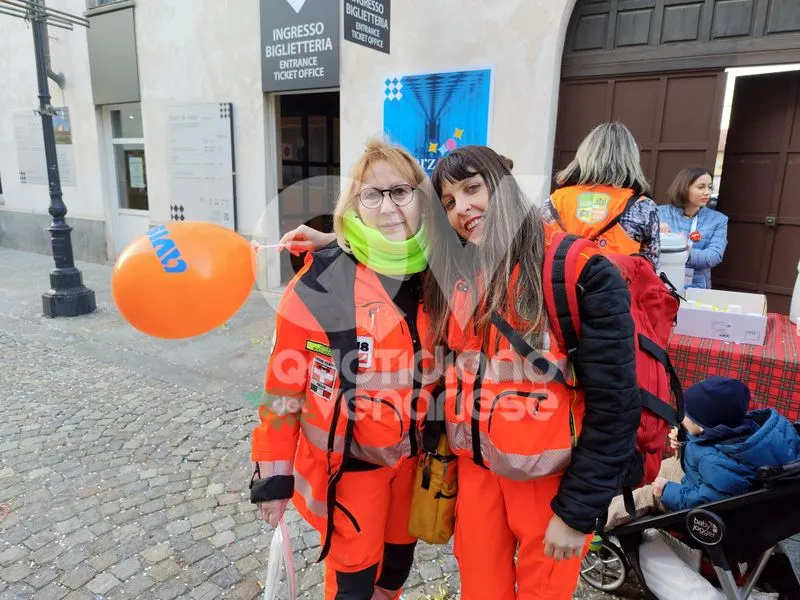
704, 228
603, 195
540, 455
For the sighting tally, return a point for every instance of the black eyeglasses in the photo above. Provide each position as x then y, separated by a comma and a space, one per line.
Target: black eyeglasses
373, 197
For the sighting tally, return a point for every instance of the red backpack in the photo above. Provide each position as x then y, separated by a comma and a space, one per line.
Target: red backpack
654, 309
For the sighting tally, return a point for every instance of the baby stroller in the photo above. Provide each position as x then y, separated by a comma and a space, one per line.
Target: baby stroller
742, 529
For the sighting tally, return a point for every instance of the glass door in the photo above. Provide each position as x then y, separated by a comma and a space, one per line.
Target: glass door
130, 202
309, 133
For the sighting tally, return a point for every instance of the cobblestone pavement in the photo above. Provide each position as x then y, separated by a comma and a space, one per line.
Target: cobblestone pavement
124, 459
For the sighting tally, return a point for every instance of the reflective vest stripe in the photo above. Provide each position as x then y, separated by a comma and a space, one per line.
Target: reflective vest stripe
402, 379
269, 468
388, 455
519, 467
303, 489
510, 371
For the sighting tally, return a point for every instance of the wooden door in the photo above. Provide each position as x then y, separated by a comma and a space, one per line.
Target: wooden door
675, 118
760, 189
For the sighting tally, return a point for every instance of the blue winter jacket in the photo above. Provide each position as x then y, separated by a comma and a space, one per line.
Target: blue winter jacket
707, 252
723, 462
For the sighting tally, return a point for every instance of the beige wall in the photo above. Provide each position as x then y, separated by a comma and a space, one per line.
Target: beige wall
19, 91
204, 53
520, 40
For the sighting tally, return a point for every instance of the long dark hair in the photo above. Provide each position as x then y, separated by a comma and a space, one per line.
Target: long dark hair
513, 234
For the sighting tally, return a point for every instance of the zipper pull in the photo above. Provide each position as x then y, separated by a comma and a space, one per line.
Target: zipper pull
371, 314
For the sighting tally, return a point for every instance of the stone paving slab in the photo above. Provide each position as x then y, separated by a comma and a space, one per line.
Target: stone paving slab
124, 460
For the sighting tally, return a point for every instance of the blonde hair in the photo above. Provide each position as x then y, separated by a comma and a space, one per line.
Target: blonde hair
377, 151
607, 156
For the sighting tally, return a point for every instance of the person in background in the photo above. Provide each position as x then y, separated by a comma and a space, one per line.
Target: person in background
603, 195
704, 228
726, 445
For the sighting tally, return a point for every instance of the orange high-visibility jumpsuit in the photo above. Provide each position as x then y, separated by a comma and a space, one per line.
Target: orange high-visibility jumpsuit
348, 464
586, 210
513, 429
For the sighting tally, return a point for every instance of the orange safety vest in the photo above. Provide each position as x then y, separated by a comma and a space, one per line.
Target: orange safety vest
590, 211
501, 411
342, 382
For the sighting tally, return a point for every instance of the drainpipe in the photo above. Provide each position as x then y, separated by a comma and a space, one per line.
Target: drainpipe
57, 77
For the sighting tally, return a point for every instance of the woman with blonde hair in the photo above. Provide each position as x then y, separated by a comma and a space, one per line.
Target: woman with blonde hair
340, 434
602, 195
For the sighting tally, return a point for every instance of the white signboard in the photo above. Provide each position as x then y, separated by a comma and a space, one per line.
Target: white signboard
30, 147
200, 163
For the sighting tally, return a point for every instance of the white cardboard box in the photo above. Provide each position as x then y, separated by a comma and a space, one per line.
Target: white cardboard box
747, 327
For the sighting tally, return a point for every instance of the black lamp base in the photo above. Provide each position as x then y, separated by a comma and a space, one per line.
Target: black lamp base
68, 297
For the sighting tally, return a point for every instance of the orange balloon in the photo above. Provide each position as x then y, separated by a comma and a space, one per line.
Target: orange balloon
183, 279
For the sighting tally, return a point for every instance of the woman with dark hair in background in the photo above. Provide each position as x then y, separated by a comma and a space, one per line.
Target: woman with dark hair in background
704, 228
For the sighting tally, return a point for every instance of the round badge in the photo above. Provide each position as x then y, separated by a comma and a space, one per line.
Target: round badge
695, 236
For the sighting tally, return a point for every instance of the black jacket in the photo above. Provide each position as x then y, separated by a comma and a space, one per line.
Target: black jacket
605, 365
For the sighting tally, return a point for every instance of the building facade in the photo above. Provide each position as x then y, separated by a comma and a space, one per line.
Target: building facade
246, 112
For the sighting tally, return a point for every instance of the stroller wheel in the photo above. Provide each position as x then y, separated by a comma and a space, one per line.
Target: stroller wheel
606, 568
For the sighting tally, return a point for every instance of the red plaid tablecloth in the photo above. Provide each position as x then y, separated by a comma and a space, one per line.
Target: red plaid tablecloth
772, 371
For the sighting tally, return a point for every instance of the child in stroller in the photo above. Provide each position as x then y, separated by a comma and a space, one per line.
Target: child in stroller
726, 445
729, 453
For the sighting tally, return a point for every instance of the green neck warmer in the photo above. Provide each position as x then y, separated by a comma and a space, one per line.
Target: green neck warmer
384, 256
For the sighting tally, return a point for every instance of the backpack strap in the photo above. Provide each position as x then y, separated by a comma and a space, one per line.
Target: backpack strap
673, 416
613, 222
477, 456
526, 350
560, 282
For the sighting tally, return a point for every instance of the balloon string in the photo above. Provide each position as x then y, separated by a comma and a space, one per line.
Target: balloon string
258, 247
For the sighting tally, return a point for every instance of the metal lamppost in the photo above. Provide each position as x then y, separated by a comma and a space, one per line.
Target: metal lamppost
67, 296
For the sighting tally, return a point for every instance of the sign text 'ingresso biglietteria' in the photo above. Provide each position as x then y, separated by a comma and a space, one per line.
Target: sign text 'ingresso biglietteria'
299, 44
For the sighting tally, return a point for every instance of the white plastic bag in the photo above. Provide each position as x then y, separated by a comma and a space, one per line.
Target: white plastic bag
669, 578
280, 552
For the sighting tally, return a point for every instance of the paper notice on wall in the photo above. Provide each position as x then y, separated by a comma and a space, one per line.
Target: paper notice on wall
136, 172
31, 158
200, 163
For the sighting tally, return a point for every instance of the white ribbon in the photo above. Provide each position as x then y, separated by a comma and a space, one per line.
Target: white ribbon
688, 273
280, 551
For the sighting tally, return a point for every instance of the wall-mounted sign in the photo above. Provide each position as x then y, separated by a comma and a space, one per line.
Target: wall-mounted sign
434, 113
200, 163
299, 44
367, 22
30, 147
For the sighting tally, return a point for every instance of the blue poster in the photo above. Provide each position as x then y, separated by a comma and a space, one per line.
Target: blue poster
434, 113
